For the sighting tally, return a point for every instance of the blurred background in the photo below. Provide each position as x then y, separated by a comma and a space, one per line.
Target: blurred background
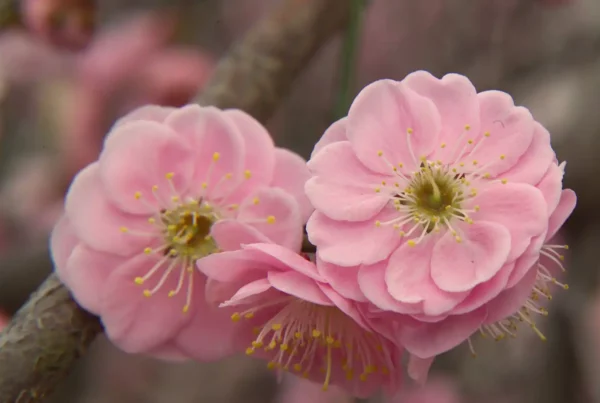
61, 87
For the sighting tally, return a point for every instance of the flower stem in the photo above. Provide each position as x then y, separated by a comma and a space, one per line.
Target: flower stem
349, 58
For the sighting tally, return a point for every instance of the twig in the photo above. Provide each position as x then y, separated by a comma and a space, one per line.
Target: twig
48, 334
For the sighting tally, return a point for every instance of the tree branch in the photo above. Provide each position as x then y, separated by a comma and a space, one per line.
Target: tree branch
49, 333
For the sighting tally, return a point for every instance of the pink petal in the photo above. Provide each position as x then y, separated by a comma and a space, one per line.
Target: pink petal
231, 235
353, 243
409, 280
348, 307
519, 208
62, 242
484, 292
168, 352
418, 368
456, 101
207, 130
137, 323
209, 334
230, 266
342, 187
259, 153
291, 174
379, 119
284, 259
138, 158
457, 267
97, 222
342, 279
248, 290
371, 280
278, 205
298, 285
426, 340
511, 132
529, 258
152, 113
565, 207
532, 165
512, 299
334, 133
86, 274
551, 187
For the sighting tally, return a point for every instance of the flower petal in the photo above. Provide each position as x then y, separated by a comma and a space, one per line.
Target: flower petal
353, 243
426, 340
529, 258
511, 132
285, 259
218, 146
291, 174
418, 368
532, 165
230, 266
344, 280
274, 213
168, 352
456, 101
231, 235
140, 158
137, 323
248, 290
518, 207
96, 221
457, 267
379, 121
565, 207
62, 242
551, 187
334, 133
342, 187
152, 113
259, 154
408, 279
509, 301
86, 274
298, 285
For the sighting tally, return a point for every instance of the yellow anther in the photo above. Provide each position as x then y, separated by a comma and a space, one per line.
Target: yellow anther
185, 309
502, 156
175, 198
170, 175
458, 239
171, 294
475, 162
124, 229
349, 375
380, 153
316, 333
443, 145
138, 280
504, 181
151, 220
247, 174
147, 293
271, 365
566, 247
409, 130
204, 185
228, 175
234, 206
363, 377
487, 134
216, 156
377, 223
272, 345
298, 335
284, 347
255, 200
249, 315
249, 351
271, 219
476, 207
383, 183
297, 367
561, 258
208, 237
276, 326
470, 141
257, 344
467, 127
462, 164
236, 317
411, 243
400, 165
330, 340
137, 195
154, 188
486, 175
565, 286
377, 190
147, 251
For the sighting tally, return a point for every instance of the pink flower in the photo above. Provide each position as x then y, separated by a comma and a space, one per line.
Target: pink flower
172, 186
443, 203
66, 23
289, 316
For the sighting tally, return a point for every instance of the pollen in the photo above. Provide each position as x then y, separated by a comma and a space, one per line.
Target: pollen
247, 174
271, 219
216, 156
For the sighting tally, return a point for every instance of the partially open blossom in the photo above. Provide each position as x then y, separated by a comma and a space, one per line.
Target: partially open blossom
171, 187
288, 315
66, 23
441, 209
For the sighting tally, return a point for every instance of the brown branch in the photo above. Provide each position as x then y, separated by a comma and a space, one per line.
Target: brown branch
48, 334
10, 13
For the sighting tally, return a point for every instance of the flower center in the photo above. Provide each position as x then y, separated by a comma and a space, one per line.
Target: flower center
308, 338
186, 230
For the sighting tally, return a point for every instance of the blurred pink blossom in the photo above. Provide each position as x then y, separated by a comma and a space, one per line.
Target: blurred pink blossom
298, 390
67, 23
438, 390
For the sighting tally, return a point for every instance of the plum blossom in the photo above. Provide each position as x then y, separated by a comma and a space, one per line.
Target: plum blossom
441, 210
172, 186
288, 315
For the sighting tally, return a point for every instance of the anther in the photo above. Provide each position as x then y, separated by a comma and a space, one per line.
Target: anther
271, 219
216, 156
247, 174
138, 195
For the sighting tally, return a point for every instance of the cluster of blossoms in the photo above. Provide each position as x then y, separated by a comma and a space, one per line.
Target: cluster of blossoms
431, 207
